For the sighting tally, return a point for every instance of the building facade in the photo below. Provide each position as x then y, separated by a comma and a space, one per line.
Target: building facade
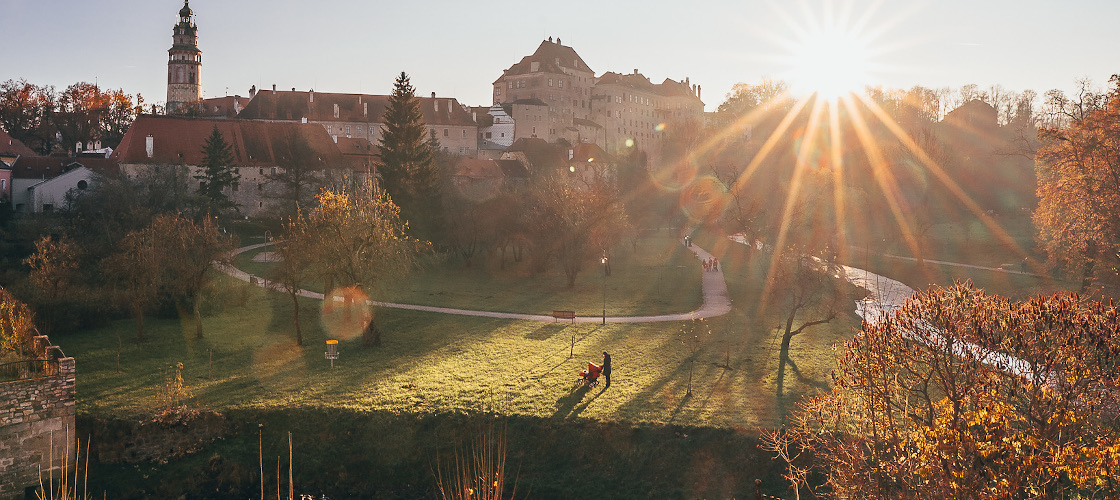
556, 77
184, 63
553, 95
358, 116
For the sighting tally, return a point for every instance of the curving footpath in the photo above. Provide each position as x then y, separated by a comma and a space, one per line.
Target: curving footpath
717, 301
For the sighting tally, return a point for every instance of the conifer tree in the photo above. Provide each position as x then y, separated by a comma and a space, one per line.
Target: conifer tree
405, 155
219, 173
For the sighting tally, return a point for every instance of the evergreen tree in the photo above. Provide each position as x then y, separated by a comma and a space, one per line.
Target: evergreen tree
405, 155
218, 173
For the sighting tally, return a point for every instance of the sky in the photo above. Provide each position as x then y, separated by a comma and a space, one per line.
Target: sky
458, 48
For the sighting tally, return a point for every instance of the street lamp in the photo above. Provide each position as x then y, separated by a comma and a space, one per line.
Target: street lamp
604, 261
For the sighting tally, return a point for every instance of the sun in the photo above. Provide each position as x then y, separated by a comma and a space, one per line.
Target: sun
830, 53
831, 64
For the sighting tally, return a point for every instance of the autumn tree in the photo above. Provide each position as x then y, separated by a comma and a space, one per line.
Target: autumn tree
297, 258
187, 251
17, 330
963, 395
1078, 214
360, 240
56, 274
297, 176
219, 174
134, 272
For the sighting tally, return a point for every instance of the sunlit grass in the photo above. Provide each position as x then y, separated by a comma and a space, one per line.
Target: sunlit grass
657, 276
433, 363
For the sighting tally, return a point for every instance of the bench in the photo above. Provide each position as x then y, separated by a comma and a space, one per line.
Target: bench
558, 315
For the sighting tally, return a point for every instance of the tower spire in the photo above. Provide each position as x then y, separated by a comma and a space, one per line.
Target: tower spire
184, 63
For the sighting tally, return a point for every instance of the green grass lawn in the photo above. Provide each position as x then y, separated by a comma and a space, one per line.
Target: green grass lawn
657, 276
436, 363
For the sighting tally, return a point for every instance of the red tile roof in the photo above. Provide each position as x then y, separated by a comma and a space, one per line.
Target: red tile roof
9, 145
227, 106
179, 140
550, 58
47, 167
366, 108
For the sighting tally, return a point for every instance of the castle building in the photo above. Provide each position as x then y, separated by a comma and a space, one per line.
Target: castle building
549, 89
553, 95
184, 63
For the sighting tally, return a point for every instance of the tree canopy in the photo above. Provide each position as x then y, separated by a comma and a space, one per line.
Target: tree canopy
964, 395
219, 173
1078, 214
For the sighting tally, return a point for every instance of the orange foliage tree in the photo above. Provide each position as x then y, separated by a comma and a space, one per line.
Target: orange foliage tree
1078, 215
964, 395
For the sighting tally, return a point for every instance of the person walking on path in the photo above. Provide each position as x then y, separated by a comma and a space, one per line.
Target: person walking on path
606, 369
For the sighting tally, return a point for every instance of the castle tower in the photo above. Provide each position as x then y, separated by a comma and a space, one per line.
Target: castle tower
184, 63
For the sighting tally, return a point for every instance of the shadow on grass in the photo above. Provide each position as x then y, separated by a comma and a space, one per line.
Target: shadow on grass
566, 406
546, 331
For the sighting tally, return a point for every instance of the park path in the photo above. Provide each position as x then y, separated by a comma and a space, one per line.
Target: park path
716, 300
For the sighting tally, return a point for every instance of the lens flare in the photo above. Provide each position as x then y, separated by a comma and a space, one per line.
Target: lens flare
704, 201
660, 127
629, 143
346, 312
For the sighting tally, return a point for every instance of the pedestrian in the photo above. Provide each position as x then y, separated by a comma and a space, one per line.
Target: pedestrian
715, 264
606, 369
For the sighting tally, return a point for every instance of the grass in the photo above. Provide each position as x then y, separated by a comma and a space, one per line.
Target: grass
436, 363
655, 277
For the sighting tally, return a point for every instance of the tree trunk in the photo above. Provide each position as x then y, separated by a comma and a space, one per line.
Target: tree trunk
197, 313
295, 318
138, 312
371, 335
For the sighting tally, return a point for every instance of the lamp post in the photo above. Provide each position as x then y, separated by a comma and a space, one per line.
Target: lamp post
604, 261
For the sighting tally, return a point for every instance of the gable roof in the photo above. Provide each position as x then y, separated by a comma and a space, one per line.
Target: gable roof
227, 106
367, 108
13, 146
179, 140
47, 167
551, 57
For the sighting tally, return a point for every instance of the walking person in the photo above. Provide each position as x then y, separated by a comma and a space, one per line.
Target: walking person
606, 369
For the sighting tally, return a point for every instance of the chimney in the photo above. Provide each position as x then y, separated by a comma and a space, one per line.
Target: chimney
686, 82
311, 95
697, 90
150, 145
557, 40
635, 71
365, 109
252, 91
274, 88
435, 102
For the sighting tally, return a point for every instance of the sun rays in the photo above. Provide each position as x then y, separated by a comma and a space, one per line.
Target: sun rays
823, 123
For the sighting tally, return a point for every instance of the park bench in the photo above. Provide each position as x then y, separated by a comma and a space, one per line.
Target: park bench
558, 315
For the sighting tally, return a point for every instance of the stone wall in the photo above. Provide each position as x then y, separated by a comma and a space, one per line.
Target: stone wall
37, 423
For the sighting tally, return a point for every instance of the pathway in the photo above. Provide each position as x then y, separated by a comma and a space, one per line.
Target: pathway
716, 301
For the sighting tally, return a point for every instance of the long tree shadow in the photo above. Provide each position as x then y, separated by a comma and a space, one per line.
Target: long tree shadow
567, 403
781, 398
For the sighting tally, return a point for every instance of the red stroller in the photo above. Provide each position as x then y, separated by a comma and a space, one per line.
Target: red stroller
590, 376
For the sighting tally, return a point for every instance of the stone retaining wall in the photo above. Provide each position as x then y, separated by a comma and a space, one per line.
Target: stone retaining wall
37, 424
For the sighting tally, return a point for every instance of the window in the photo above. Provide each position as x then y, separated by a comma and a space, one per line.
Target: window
464, 133
273, 170
329, 129
82, 184
201, 185
445, 132
260, 188
561, 83
347, 130
497, 91
549, 82
511, 84
359, 129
